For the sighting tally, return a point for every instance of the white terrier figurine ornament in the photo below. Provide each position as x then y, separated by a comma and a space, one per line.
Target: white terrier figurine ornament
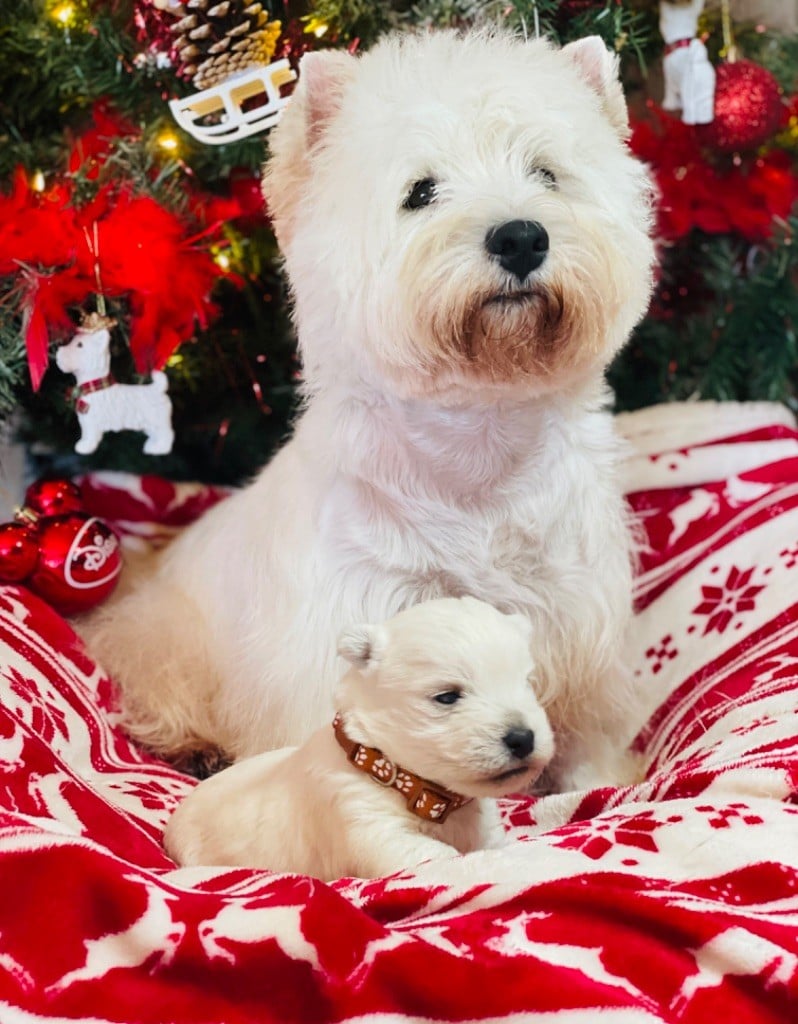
467, 239
689, 75
436, 707
103, 405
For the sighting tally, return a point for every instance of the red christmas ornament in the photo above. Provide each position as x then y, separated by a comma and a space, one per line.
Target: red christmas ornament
53, 497
78, 564
19, 552
748, 107
60, 552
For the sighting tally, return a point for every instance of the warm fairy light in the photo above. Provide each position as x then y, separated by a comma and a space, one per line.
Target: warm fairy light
65, 13
168, 142
37, 182
222, 260
316, 27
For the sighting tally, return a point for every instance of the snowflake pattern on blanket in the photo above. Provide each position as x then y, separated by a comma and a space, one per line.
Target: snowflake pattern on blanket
672, 900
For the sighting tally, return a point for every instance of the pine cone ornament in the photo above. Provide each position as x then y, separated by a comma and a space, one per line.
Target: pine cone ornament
217, 39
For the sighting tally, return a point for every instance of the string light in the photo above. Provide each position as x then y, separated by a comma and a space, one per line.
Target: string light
64, 14
316, 26
168, 142
37, 182
222, 260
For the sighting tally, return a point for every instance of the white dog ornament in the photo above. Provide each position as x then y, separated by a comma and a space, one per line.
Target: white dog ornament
689, 75
102, 404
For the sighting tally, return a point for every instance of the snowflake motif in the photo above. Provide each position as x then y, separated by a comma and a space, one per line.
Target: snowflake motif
790, 556
600, 836
664, 651
726, 817
721, 604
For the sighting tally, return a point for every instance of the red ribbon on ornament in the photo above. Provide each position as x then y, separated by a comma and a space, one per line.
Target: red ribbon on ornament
77, 391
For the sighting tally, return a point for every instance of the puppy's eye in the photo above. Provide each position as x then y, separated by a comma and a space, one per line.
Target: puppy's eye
421, 194
448, 697
548, 177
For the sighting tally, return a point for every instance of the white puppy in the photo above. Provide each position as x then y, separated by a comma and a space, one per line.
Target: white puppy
438, 708
466, 236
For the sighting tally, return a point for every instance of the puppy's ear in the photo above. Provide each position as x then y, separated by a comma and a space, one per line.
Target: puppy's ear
317, 97
363, 646
598, 66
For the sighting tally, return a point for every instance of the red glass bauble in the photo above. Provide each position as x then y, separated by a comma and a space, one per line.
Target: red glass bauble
53, 497
748, 107
19, 551
79, 562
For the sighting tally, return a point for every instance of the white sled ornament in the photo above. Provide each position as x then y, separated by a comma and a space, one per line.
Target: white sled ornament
224, 114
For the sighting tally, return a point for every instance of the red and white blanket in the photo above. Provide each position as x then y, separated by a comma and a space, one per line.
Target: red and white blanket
673, 900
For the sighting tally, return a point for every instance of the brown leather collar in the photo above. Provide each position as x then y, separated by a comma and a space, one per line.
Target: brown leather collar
424, 799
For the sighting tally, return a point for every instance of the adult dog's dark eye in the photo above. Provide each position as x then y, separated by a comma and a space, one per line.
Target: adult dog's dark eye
548, 177
448, 697
421, 194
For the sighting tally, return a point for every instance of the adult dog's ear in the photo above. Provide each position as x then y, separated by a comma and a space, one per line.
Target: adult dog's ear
363, 646
598, 66
314, 103
522, 624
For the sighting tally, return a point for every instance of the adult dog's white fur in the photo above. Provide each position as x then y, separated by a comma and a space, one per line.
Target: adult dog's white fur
453, 439
309, 810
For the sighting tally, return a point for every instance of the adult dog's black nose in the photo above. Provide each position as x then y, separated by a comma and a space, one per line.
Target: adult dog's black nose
520, 742
519, 245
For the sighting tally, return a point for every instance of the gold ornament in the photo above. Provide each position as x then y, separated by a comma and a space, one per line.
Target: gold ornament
91, 322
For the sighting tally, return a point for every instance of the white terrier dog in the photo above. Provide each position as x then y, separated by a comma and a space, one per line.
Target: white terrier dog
103, 405
466, 235
437, 707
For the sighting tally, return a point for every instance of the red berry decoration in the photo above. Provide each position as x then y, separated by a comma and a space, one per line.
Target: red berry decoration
60, 552
19, 552
53, 497
78, 564
748, 107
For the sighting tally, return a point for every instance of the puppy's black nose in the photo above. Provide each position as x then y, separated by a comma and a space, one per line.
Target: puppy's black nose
520, 742
519, 245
